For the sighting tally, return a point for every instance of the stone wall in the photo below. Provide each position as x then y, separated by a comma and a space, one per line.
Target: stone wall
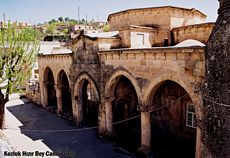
216, 89
161, 18
199, 32
56, 63
146, 69
150, 63
33, 92
85, 66
129, 38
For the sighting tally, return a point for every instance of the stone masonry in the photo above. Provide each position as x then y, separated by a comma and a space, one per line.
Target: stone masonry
216, 92
128, 54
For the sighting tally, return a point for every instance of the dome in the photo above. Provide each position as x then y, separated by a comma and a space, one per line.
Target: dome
189, 43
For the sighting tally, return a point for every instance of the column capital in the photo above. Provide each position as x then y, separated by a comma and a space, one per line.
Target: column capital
110, 99
58, 86
45, 82
71, 85
142, 108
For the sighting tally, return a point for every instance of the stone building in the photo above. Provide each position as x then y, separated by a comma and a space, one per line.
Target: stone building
148, 71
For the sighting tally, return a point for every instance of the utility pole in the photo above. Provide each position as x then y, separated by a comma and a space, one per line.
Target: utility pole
92, 19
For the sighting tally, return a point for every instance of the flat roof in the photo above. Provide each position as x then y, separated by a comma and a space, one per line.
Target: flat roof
152, 48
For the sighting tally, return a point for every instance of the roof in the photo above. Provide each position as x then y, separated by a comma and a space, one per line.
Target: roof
137, 50
139, 9
61, 51
47, 47
195, 25
189, 43
94, 36
142, 27
103, 34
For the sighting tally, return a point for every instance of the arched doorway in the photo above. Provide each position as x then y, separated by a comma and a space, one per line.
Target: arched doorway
65, 94
174, 125
127, 134
89, 99
51, 92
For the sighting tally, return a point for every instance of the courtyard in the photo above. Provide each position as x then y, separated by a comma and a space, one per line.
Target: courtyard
31, 128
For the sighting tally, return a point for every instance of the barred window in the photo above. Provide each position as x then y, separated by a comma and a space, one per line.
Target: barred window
191, 116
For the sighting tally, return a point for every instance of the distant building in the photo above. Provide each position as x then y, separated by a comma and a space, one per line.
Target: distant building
87, 29
63, 27
99, 24
16, 24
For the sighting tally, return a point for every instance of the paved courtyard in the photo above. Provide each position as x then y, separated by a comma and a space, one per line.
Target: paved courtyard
30, 128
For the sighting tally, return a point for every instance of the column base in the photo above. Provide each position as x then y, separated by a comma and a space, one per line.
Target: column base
110, 136
143, 152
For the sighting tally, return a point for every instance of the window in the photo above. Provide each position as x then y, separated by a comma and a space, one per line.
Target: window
141, 39
190, 116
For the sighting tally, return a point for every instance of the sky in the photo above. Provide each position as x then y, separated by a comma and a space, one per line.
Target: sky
39, 11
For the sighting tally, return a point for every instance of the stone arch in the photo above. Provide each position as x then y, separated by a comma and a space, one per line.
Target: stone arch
122, 98
192, 94
64, 94
154, 85
86, 99
111, 83
49, 94
59, 75
45, 73
82, 76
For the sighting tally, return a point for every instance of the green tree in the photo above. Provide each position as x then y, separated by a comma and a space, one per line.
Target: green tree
82, 21
50, 28
18, 51
60, 19
52, 21
66, 19
73, 22
106, 28
65, 31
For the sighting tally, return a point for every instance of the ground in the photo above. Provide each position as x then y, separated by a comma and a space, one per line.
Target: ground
21, 116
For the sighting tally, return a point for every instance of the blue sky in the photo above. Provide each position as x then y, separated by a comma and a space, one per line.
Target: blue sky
35, 11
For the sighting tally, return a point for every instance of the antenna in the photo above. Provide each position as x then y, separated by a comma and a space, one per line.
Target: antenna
78, 10
4, 17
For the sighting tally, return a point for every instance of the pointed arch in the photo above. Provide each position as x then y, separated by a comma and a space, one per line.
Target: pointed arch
87, 99
180, 80
111, 83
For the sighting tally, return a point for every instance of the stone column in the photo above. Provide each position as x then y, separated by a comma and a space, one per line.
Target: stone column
145, 132
44, 93
198, 143
77, 111
101, 120
71, 86
59, 98
109, 115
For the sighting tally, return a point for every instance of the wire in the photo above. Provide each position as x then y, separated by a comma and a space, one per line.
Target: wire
204, 97
90, 128
213, 101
